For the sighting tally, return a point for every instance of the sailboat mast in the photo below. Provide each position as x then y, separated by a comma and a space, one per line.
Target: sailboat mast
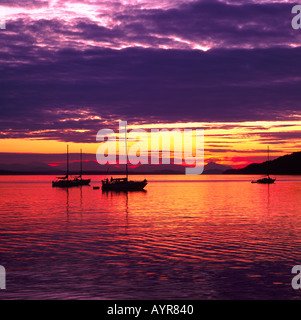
126, 153
67, 161
268, 161
81, 162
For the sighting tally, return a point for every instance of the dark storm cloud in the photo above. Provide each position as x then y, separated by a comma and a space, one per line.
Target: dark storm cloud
208, 24
51, 65
216, 23
150, 85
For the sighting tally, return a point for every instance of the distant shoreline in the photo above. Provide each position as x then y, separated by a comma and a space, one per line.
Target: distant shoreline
132, 174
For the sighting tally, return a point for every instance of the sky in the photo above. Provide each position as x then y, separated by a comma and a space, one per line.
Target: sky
70, 68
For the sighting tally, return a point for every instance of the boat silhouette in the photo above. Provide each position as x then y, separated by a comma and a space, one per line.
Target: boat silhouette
79, 179
66, 181
267, 179
123, 184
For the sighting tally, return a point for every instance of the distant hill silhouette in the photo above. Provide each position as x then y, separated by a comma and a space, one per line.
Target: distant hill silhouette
215, 168
92, 167
285, 165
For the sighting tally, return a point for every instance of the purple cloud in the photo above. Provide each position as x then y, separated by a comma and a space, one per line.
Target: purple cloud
145, 62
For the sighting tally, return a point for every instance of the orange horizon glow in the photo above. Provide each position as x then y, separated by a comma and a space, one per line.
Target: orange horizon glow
236, 144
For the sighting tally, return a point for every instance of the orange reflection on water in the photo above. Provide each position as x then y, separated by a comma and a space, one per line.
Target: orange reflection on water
182, 232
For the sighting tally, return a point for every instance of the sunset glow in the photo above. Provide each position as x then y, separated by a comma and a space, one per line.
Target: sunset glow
150, 149
71, 68
234, 144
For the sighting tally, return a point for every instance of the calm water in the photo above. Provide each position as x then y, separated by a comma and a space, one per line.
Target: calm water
200, 237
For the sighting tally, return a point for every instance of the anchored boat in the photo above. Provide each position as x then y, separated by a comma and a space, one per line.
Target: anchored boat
123, 184
66, 181
267, 179
79, 179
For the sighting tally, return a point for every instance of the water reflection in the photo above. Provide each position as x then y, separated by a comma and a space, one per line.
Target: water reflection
73, 197
114, 195
199, 238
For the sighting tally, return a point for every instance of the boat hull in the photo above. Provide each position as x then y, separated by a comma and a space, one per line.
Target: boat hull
64, 184
70, 183
265, 181
124, 186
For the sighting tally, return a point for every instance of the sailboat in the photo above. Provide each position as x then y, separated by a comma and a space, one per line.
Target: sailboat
123, 184
65, 181
79, 179
267, 179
